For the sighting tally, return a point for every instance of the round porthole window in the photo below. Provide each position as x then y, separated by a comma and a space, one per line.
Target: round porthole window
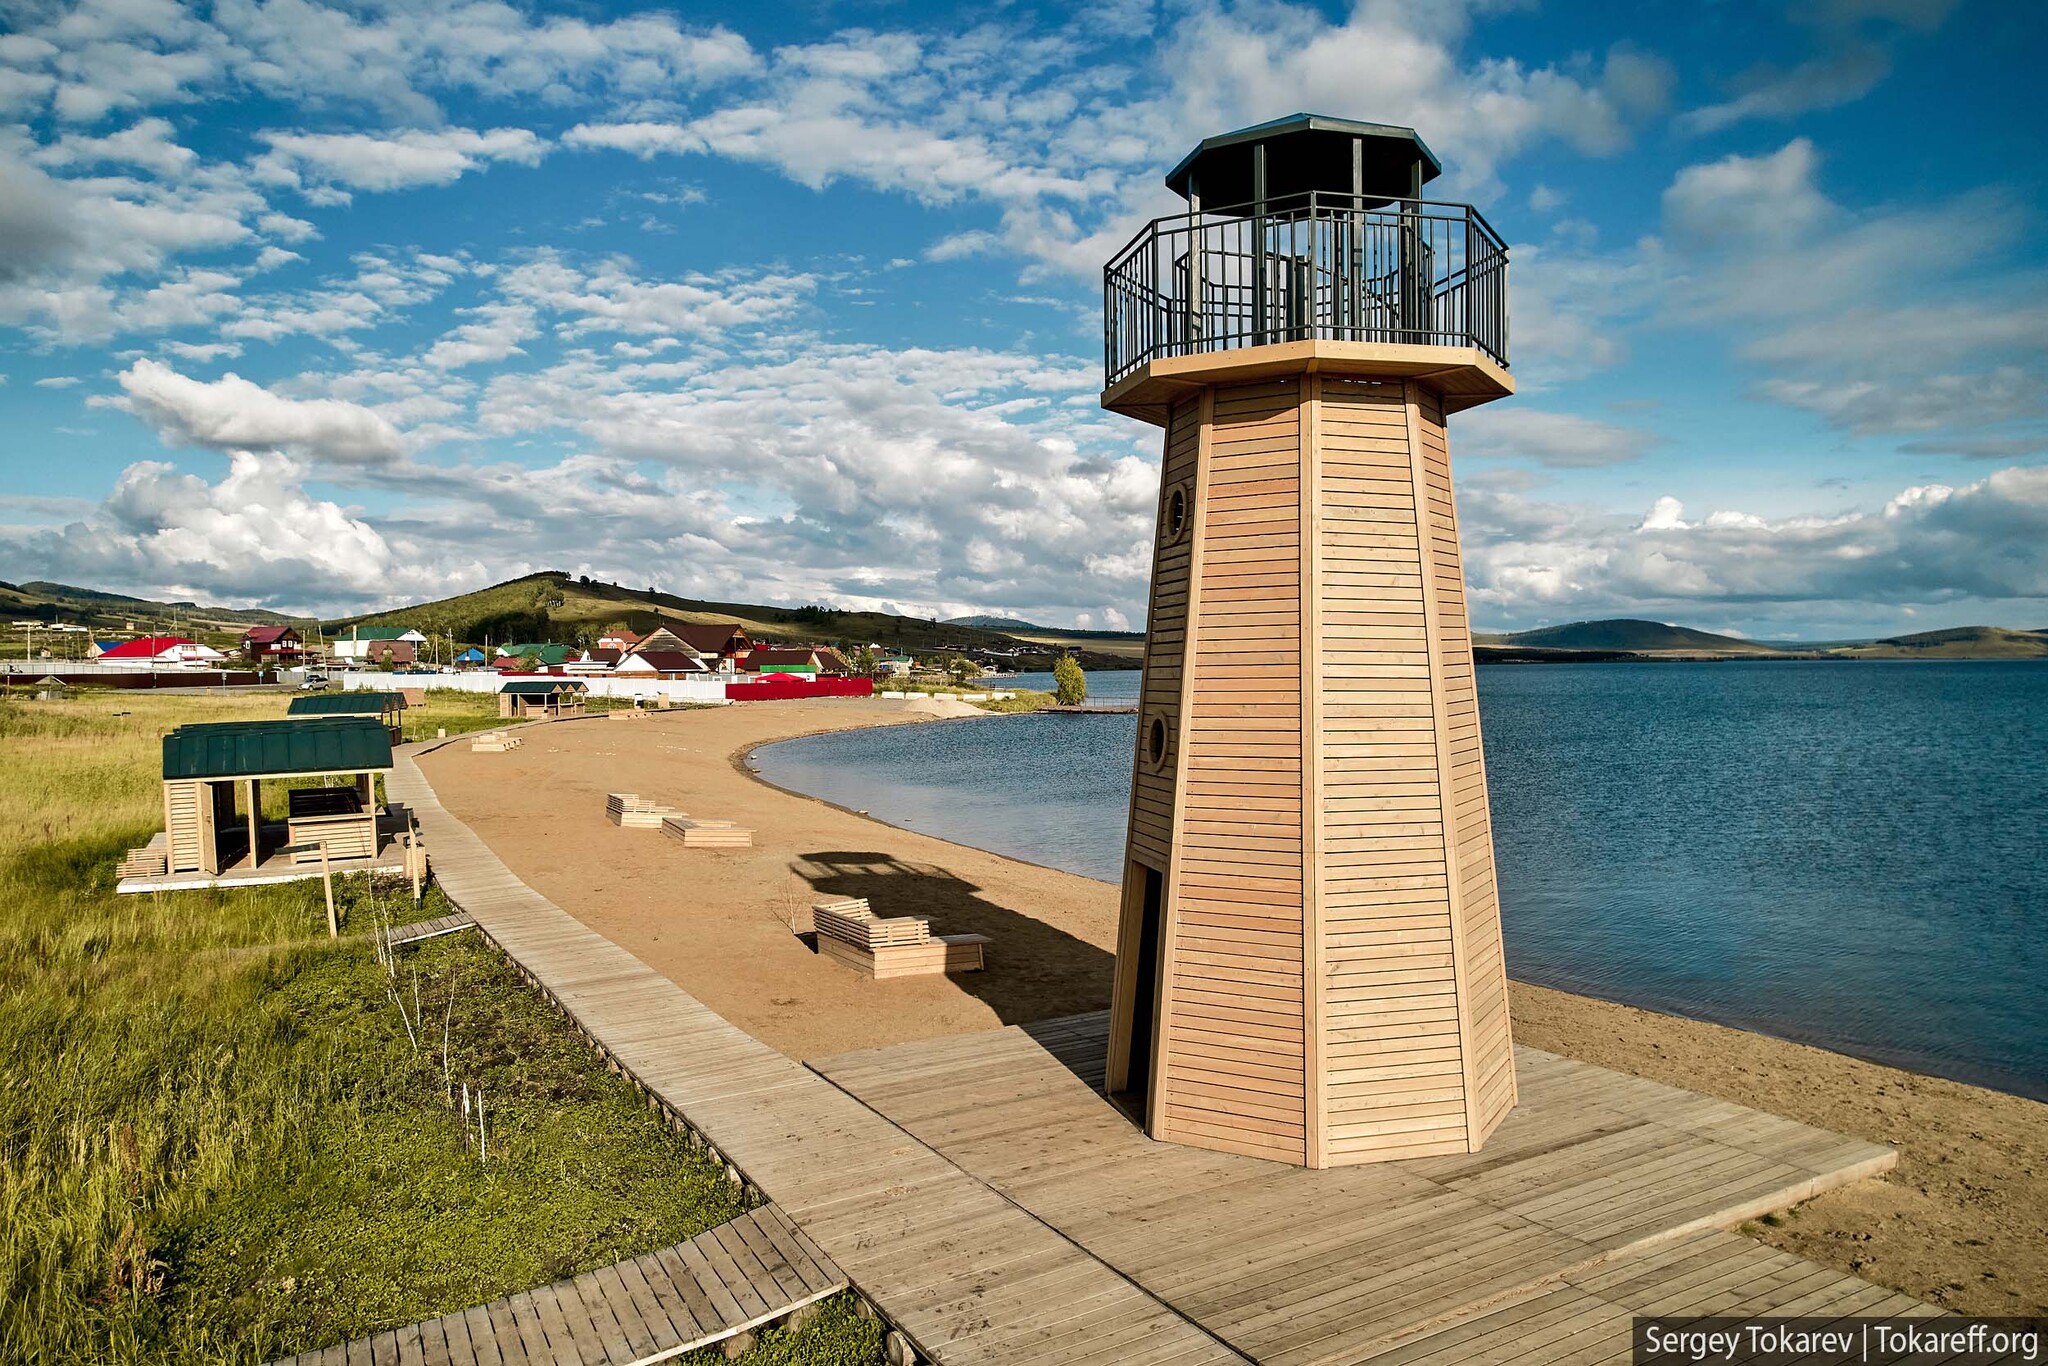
1155, 742
1176, 514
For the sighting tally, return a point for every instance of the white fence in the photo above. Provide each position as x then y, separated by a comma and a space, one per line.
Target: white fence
700, 690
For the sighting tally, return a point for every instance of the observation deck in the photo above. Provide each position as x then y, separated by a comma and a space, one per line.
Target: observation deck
1359, 279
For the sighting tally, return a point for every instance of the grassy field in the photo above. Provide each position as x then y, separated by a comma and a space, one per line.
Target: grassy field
219, 1140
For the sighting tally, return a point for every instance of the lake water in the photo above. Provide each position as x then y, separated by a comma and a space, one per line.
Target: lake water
1852, 855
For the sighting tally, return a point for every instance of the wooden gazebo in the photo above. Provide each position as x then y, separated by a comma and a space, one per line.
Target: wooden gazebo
386, 706
204, 765
542, 697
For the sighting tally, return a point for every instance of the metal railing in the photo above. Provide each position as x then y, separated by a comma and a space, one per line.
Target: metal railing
1310, 267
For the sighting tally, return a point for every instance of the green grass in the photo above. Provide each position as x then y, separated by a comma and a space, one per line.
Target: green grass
454, 710
218, 1143
1025, 700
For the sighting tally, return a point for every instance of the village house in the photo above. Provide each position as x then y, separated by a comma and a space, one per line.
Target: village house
803, 661
279, 645
387, 646
683, 663
156, 652
621, 640
534, 658
723, 647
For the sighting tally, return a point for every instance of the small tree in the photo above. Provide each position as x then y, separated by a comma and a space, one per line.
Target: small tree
1069, 684
864, 663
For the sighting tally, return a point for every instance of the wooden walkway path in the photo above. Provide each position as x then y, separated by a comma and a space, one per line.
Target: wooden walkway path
1602, 1196
960, 1270
719, 1284
430, 929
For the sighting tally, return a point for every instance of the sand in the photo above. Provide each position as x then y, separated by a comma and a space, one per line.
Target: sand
1962, 1221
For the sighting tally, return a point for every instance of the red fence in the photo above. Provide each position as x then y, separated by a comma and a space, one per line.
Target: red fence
784, 688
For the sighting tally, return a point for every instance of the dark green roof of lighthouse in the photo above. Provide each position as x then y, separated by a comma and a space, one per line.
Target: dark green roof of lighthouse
1305, 152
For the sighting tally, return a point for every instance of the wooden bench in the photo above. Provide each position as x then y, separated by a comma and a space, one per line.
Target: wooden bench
904, 946
494, 742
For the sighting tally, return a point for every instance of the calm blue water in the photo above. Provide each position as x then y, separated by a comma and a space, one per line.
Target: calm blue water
1848, 854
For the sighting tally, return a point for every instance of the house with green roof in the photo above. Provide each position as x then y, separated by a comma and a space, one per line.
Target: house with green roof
547, 656
385, 645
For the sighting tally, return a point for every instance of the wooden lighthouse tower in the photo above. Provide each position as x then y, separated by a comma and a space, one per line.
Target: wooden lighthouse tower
1309, 958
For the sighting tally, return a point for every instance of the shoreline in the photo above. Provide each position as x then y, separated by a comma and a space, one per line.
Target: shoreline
1956, 1223
1898, 1059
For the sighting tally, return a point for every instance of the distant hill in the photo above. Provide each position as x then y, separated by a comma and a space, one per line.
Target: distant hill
105, 613
1625, 634
1961, 642
554, 606
992, 623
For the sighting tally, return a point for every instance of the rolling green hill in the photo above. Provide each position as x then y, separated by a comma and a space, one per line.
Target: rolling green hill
555, 606
1626, 634
118, 614
1961, 642
1125, 645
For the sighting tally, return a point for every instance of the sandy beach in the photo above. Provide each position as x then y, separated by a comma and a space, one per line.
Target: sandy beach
1959, 1222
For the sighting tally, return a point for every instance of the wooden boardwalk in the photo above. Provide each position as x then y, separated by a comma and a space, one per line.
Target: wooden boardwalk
755, 1269
964, 1273
981, 1193
430, 929
1600, 1197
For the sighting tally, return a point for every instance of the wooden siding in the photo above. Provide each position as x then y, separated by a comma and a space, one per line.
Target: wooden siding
1332, 986
185, 817
1485, 969
1234, 1068
1152, 786
1394, 1065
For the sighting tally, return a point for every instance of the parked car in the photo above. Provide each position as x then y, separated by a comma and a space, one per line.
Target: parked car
313, 683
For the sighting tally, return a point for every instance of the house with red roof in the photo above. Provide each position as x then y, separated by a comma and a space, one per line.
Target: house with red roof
157, 652
273, 645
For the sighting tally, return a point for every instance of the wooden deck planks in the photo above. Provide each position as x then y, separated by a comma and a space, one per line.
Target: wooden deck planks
647, 1309
1482, 1256
857, 1191
430, 929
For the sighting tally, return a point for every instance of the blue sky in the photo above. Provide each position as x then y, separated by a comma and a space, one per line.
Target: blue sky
320, 306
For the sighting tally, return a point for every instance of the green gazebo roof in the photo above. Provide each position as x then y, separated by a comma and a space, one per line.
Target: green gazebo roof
346, 704
247, 749
543, 687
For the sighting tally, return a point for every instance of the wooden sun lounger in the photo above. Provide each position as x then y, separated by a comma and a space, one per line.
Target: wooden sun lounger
904, 946
635, 812
696, 834
494, 742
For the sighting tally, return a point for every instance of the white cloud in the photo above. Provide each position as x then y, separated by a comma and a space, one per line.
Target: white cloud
612, 298
1857, 38
98, 56
231, 414
1553, 439
324, 166
1929, 545
1899, 319
493, 337
149, 143
256, 537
